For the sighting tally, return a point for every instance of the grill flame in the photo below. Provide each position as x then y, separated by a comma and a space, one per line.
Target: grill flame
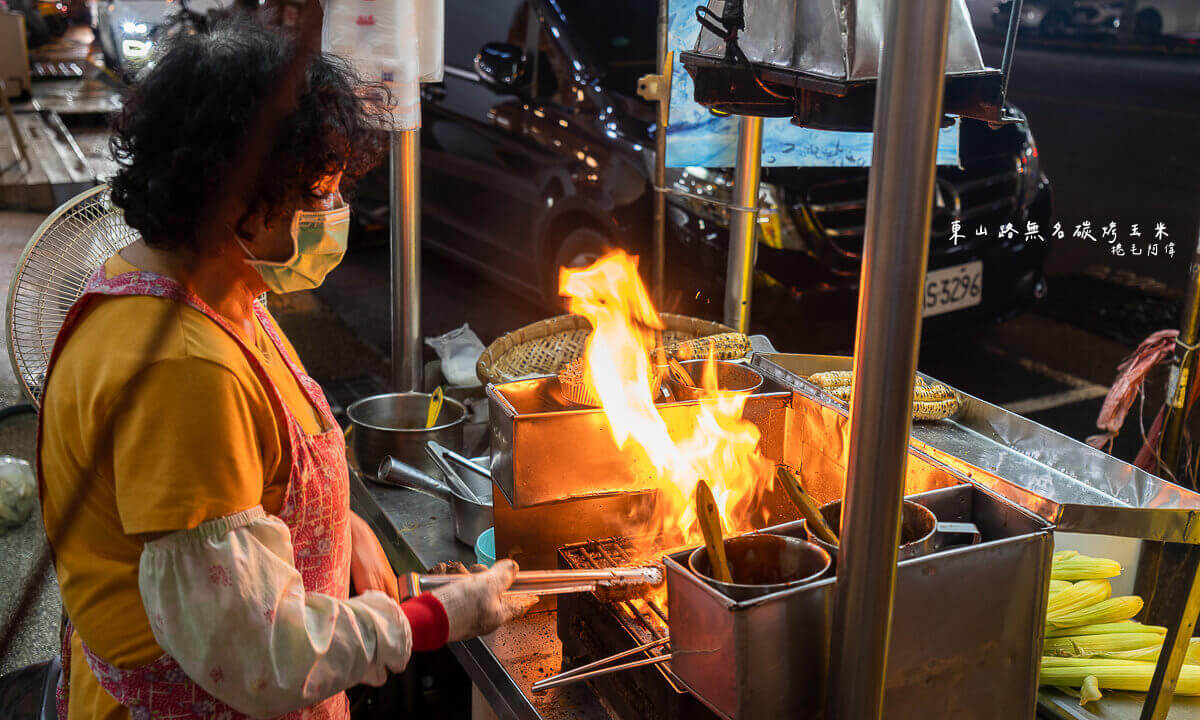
707, 441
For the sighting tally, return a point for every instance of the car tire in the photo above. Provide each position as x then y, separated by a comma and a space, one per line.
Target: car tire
1148, 24
580, 248
1054, 24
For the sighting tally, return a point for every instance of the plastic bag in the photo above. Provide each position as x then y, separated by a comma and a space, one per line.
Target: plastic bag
458, 350
18, 492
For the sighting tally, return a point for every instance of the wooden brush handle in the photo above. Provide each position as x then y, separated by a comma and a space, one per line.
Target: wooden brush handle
710, 525
806, 505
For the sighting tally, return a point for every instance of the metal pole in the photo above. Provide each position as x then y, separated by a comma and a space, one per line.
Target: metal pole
908, 111
660, 169
1010, 46
1175, 644
1182, 374
405, 223
739, 268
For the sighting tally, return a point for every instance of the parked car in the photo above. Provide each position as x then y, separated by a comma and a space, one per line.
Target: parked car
1177, 18
128, 30
537, 153
1056, 18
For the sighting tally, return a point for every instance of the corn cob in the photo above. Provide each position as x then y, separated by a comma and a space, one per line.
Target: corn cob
1150, 654
1089, 645
831, 378
1063, 555
938, 410
1059, 585
1079, 595
1082, 567
1113, 674
723, 346
1128, 626
933, 393
1111, 610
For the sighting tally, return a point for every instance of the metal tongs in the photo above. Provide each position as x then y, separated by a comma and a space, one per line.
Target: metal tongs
546, 582
597, 668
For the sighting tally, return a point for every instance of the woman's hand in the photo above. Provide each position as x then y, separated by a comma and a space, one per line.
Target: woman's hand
369, 567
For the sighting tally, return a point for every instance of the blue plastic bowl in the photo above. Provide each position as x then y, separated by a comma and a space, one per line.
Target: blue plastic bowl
485, 547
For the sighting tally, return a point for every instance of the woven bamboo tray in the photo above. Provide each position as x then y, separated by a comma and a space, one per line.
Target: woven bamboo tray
545, 346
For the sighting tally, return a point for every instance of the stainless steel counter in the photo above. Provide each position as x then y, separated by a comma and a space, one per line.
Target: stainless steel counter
416, 533
1113, 706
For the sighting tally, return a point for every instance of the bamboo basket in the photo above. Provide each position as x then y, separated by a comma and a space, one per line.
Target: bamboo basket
545, 346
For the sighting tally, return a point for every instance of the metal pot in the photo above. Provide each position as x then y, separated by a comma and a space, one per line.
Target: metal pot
761, 564
470, 518
394, 425
920, 531
731, 378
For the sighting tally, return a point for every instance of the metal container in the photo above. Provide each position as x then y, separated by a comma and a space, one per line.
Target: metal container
470, 518
763, 563
966, 635
394, 425
1073, 485
731, 378
920, 531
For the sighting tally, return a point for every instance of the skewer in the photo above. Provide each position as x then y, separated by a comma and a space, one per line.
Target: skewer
584, 672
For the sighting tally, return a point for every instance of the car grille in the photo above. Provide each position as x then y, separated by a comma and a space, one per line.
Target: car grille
984, 196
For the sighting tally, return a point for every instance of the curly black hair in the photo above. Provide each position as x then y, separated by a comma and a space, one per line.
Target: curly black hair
188, 122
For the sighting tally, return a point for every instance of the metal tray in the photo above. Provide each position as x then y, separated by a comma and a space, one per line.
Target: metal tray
1068, 483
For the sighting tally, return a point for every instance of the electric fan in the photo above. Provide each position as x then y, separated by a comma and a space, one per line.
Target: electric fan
62, 254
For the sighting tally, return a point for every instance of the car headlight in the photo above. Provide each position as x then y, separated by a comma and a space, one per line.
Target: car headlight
1030, 169
134, 28
708, 193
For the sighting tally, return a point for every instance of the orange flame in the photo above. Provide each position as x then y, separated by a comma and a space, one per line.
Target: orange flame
712, 441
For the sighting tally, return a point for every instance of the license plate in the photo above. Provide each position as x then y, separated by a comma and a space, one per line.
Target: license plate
953, 288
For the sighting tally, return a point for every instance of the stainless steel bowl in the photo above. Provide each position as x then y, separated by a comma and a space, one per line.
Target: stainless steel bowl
731, 378
394, 425
762, 563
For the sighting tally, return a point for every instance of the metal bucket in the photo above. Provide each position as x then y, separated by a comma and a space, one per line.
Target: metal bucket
920, 531
394, 425
470, 518
761, 564
731, 378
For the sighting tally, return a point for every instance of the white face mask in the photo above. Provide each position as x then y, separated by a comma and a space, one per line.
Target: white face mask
319, 240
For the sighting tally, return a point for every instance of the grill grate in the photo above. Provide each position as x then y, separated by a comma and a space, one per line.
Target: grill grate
644, 618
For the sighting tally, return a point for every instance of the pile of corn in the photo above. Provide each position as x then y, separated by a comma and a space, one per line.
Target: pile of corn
1091, 640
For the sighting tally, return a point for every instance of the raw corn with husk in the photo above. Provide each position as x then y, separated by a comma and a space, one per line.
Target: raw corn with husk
1090, 645
1079, 595
1058, 585
1150, 654
1113, 674
1126, 626
1113, 609
1082, 567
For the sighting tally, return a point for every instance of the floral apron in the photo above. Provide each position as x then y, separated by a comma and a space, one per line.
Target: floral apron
315, 509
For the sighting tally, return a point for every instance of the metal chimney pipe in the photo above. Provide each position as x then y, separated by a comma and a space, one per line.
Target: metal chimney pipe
739, 267
908, 111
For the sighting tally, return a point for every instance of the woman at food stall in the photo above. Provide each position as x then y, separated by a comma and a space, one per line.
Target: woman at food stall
194, 481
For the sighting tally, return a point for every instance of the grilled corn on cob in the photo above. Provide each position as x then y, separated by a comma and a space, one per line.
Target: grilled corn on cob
1110, 610
1089, 645
724, 346
1082, 567
930, 401
1127, 626
1113, 674
831, 378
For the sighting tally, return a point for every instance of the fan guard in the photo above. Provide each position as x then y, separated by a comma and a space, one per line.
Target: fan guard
70, 245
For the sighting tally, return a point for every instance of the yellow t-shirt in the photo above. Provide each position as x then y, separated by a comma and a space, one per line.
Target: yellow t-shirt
155, 413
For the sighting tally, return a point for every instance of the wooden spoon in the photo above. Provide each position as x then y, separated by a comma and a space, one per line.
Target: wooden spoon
805, 504
710, 525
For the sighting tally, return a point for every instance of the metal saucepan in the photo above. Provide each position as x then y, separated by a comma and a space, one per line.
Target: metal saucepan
763, 563
731, 378
394, 425
920, 531
470, 518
